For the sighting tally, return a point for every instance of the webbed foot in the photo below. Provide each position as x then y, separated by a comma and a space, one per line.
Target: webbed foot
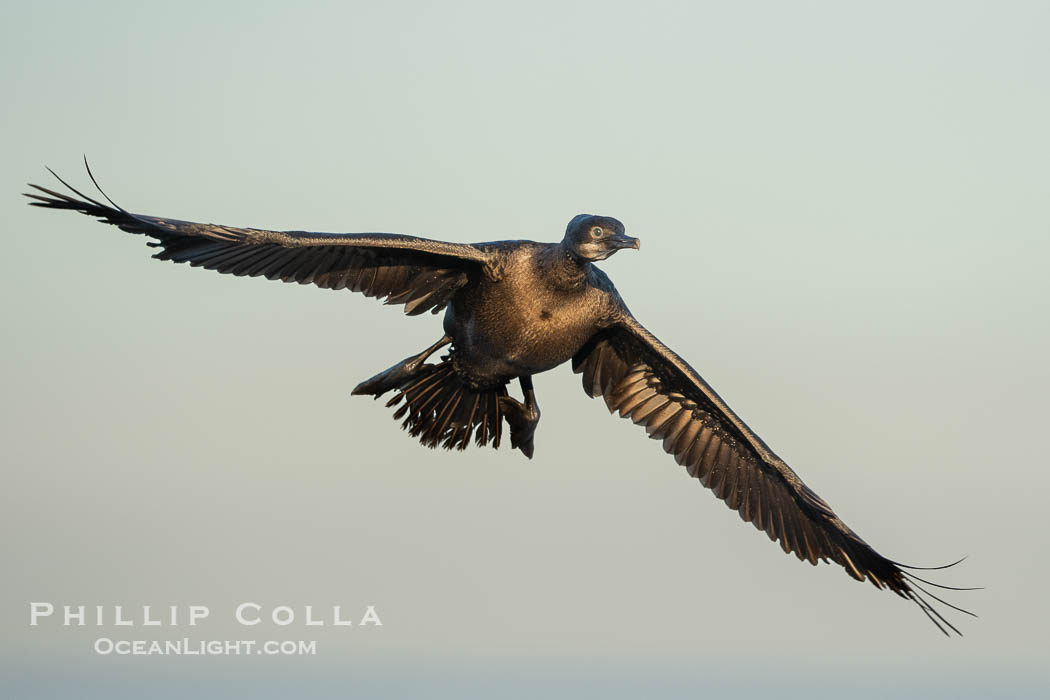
522, 418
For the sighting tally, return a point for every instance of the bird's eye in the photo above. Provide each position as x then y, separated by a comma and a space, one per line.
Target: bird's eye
596, 232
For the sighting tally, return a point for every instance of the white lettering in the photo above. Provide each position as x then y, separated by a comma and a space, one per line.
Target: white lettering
147, 621
69, 615
310, 621
371, 617
240, 613
198, 612
118, 618
336, 610
38, 610
283, 615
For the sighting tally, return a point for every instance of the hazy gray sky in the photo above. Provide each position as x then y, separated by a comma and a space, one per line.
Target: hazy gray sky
844, 212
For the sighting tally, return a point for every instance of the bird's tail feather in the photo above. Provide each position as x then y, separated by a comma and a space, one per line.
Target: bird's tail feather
442, 410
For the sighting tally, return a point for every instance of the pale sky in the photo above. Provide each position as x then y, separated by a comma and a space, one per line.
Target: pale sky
844, 218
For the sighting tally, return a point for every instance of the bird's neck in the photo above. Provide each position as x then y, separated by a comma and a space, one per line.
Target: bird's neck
561, 268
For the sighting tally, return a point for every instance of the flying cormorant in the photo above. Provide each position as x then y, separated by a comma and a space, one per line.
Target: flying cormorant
513, 309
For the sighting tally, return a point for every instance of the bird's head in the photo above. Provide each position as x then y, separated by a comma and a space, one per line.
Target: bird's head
590, 238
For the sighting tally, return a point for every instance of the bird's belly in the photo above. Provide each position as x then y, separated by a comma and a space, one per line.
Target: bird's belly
514, 334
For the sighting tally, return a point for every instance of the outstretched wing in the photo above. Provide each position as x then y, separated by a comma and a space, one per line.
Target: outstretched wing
647, 382
421, 274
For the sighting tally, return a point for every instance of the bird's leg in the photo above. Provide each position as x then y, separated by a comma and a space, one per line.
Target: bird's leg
393, 377
522, 417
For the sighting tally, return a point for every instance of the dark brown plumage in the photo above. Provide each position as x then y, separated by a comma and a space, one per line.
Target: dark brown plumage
517, 308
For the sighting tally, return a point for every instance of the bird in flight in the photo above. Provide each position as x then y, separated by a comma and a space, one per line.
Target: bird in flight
513, 309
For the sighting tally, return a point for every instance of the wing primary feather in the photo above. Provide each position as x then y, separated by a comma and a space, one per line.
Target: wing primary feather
697, 450
74, 190
760, 503
675, 427
591, 369
658, 419
262, 264
944, 602
250, 259
851, 567
938, 585
221, 257
784, 525
685, 438
926, 608
99, 188
189, 252
926, 568
642, 413
632, 400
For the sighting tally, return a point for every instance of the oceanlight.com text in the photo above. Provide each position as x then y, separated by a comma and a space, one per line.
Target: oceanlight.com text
104, 646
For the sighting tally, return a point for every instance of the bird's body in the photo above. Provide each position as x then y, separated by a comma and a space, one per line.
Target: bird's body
514, 309
536, 315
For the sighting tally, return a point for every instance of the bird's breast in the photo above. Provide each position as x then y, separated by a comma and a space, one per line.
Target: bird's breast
520, 324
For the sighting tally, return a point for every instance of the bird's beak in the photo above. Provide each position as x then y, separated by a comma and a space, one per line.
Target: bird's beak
621, 241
